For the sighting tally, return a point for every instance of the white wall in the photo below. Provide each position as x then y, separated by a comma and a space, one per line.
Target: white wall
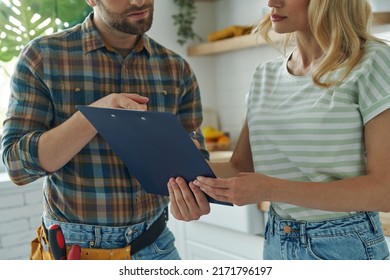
164, 32
243, 12
234, 70
20, 215
224, 79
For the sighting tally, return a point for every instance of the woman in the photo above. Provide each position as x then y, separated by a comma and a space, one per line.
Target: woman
316, 142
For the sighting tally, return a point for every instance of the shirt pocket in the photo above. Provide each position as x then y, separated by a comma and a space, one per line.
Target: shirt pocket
67, 95
162, 98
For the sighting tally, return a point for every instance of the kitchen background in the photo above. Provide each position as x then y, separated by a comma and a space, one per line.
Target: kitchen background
224, 78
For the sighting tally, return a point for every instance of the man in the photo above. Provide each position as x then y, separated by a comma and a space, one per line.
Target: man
107, 61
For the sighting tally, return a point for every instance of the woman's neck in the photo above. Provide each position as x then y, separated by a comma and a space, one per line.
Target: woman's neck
305, 57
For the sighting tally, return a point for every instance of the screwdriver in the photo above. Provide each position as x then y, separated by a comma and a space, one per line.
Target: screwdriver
57, 242
74, 253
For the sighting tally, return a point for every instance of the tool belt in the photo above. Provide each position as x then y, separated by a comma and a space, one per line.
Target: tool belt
40, 248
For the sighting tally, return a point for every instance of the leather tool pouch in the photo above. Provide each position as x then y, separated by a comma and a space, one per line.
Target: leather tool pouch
105, 254
40, 250
40, 246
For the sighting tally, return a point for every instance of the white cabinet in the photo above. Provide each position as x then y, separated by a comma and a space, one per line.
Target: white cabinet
203, 241
227, 233
246, 219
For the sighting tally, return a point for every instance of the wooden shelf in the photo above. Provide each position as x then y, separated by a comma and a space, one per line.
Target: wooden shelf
227, 45
231, 44
381, 18
250, 41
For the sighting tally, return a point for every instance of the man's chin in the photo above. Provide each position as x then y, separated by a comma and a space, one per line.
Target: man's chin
133, 29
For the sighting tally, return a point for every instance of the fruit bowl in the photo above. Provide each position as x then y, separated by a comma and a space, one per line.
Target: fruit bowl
216, 140
220, 144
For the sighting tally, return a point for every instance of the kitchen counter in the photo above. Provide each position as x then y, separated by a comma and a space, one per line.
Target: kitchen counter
220, 156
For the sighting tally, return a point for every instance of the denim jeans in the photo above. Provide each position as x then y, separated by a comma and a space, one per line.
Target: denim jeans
356, 237
105, 237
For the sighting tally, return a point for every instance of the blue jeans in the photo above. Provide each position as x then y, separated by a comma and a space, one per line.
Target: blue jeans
105, 237
356, 237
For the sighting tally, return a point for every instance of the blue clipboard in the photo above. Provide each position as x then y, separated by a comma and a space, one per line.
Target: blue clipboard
154, 146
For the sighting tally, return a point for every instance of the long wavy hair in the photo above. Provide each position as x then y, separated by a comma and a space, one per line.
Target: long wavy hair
341, 28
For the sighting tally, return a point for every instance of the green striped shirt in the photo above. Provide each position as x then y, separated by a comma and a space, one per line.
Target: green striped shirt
301, 132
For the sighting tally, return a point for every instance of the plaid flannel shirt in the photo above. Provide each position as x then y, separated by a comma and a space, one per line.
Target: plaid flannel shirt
57, 72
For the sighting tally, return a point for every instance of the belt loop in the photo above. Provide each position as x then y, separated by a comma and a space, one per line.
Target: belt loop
302, 234
98, 237
371, 220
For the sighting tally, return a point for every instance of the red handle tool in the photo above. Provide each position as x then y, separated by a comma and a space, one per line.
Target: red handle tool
74, 253
57, 242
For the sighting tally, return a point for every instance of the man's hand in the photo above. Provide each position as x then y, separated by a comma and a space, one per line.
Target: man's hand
55, 149
131, 101
188, 202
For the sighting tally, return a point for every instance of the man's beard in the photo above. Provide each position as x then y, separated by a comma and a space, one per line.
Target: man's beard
117, 20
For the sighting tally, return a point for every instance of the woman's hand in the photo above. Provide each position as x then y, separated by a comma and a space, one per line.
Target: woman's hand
241, 190
188, 202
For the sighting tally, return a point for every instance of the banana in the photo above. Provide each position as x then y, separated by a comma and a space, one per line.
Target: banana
211, 133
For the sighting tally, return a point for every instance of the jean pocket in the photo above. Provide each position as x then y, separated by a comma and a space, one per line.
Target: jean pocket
362, 245
165, 243
338, 247
377, 248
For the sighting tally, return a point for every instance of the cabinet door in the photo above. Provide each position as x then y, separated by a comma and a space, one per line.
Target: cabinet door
205, 241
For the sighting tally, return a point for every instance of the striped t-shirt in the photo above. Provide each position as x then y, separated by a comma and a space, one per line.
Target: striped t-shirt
301, 132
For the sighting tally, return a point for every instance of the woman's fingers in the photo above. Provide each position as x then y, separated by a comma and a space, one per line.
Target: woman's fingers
214, 187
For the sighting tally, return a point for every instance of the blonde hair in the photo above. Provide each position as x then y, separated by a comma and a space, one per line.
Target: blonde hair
341, 27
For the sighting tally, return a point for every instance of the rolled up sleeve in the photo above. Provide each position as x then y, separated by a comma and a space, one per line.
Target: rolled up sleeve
28, 117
